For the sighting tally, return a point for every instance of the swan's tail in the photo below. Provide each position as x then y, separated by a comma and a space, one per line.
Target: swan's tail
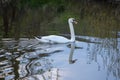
41, 40
37, 38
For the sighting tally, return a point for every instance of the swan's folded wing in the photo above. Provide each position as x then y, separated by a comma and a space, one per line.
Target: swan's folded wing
56, 39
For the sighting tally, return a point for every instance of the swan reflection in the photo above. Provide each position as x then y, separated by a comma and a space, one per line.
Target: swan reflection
71, 60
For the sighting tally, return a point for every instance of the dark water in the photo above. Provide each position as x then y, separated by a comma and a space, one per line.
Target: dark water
90, 58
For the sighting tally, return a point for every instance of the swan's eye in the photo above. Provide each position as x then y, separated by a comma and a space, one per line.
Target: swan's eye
73, 19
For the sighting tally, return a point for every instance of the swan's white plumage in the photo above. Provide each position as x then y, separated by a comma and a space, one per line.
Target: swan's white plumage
59, 39
53, 39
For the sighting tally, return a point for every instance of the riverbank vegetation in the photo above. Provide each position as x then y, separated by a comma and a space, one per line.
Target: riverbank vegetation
29, 18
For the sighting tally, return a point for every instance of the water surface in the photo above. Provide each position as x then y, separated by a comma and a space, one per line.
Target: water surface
89, 58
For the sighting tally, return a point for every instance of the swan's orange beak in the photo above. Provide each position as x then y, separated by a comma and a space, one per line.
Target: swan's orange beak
75, 22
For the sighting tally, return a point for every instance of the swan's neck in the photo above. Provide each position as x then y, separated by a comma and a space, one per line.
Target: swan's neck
72, 32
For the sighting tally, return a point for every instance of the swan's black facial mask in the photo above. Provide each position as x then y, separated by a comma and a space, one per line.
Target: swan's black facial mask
74, 21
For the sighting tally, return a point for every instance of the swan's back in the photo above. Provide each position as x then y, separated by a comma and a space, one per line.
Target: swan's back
56, 39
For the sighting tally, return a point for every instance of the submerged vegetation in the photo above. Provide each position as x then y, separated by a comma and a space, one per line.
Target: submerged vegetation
28, 18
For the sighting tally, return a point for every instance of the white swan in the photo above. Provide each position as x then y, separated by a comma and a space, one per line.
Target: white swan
60, 39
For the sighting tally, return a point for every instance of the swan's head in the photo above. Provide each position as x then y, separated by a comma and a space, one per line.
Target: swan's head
72, 20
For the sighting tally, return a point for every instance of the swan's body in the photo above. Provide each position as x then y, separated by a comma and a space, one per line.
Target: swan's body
59, 39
